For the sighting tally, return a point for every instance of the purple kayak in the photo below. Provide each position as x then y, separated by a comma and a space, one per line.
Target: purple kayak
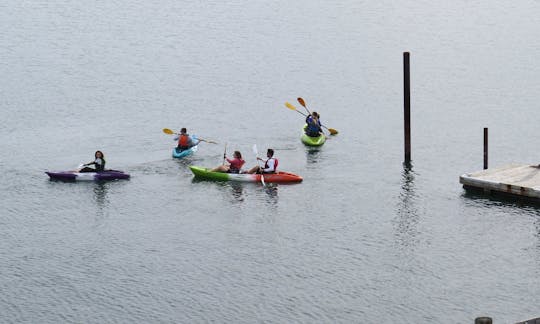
88, 176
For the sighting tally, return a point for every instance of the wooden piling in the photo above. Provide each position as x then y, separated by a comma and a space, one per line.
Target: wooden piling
485, 148
407, 106
483, 320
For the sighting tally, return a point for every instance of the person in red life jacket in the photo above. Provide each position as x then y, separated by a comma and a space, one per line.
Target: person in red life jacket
270, 165
235, 164
184, 140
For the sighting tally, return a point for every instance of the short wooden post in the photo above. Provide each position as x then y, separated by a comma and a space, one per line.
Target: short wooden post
485, 148
407, 106
483, 320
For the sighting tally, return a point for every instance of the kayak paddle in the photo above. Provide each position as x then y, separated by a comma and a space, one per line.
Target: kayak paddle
291, 107
224, 153
170, 132
257, 158
303, 103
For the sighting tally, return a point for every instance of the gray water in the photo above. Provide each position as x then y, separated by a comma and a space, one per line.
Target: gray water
361, 240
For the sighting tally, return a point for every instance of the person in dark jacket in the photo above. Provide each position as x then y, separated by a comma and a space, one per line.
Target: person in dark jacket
313, 122
99, 163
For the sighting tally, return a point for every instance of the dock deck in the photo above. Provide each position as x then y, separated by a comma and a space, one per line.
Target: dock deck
515, 179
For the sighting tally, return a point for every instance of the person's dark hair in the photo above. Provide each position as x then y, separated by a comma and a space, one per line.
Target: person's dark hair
183, 130
102, 155
271, 152
238, 154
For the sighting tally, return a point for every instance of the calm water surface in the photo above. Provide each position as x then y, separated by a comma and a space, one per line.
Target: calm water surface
361, 240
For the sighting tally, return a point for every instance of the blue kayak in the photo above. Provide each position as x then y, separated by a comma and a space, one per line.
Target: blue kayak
179, 154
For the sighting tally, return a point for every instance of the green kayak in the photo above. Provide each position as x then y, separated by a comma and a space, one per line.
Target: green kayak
312, 141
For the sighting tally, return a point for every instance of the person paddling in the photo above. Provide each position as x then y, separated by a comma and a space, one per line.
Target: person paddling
99, 163
185, 141
270, 165
313, 122
235, 164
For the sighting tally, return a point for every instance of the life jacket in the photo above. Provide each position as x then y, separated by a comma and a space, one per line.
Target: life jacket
313, 128
236, 164
276, 162
100, 164
183, 141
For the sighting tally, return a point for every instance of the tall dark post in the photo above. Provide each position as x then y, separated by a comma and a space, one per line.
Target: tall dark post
407, 106
485, 148
483, 320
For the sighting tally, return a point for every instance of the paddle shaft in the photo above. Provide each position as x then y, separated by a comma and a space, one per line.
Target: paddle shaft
257, 158
261, 169
170, 132
291, 107
301, 113
224, 153
303, 103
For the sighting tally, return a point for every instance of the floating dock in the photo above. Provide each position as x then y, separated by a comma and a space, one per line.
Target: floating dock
531, 321
517, 180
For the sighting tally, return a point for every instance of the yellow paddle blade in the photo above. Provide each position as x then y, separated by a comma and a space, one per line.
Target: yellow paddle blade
301, 101
290, 106
332, 131
167, 131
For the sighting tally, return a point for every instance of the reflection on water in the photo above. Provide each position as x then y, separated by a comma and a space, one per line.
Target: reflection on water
271, 190
100, 197
237, 190
313, 154
100, 193
478, 197
407, 210
537, 235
